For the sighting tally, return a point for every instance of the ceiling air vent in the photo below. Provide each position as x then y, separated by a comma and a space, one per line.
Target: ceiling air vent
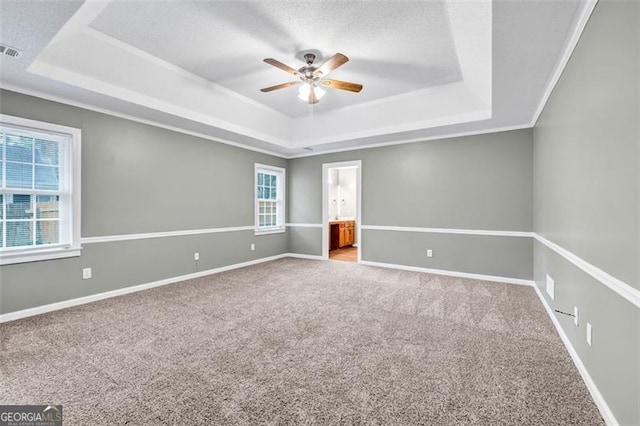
10, 51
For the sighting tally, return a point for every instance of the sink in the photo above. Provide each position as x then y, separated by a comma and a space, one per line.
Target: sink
341, 219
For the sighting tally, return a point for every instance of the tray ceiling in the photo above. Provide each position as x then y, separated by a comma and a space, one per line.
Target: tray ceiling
429, 69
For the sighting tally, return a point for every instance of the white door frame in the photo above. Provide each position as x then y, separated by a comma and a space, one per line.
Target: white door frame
325, 204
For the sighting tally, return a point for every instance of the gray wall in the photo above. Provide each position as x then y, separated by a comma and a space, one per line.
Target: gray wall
587, 197
481, 182
138, 179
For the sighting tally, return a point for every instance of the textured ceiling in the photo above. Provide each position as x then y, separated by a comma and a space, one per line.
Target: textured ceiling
31, 39
393, 47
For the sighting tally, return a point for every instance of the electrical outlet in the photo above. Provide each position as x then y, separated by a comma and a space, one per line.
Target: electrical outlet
196, 256
253, 247
86, 273
589, 334
429, 253
551, 287
575, 315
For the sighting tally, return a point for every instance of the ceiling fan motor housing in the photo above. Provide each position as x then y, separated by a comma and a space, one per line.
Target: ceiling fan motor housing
309, 57
306, 72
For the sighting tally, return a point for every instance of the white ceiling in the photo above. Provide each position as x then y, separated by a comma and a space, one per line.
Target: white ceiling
429, 69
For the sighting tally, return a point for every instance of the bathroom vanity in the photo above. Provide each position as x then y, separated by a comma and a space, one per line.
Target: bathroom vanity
341, 233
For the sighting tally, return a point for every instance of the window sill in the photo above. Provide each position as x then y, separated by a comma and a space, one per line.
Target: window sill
278, 230
36, 255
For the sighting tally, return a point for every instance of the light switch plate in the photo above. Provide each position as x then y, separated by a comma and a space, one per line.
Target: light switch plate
86, 273
589, 334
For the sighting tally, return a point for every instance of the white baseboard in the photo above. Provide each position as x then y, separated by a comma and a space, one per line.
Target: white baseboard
12, 316
507, 280
305, 256
602, 405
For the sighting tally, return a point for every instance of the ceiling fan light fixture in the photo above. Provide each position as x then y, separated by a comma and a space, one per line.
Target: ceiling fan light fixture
305, 89
319, 92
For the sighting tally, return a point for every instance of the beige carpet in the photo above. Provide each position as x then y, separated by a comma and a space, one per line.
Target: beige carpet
298, 341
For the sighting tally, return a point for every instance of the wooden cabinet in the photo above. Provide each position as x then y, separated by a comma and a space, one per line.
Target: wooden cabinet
341, 234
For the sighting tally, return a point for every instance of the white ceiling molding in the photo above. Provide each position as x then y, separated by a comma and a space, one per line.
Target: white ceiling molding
155, 123
471, 25
439, 106
564, 59
414, 140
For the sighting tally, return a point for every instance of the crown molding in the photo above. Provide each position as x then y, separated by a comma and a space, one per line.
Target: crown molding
564, 60
67, 101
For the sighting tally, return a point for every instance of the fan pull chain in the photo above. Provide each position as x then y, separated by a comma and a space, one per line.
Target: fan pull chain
310, 125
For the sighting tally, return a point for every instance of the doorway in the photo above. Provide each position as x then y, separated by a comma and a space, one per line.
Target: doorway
342, 211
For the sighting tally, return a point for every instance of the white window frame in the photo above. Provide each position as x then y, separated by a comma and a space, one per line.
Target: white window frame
69, 172
280, 201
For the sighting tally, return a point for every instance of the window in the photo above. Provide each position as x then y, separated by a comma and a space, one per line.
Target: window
39, 190
269, 206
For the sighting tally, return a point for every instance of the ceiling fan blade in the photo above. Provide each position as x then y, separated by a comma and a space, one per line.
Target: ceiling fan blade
342, 85
282, 66
331, 64
280, 86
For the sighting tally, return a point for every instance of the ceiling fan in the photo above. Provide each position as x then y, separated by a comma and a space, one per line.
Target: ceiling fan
312, 78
